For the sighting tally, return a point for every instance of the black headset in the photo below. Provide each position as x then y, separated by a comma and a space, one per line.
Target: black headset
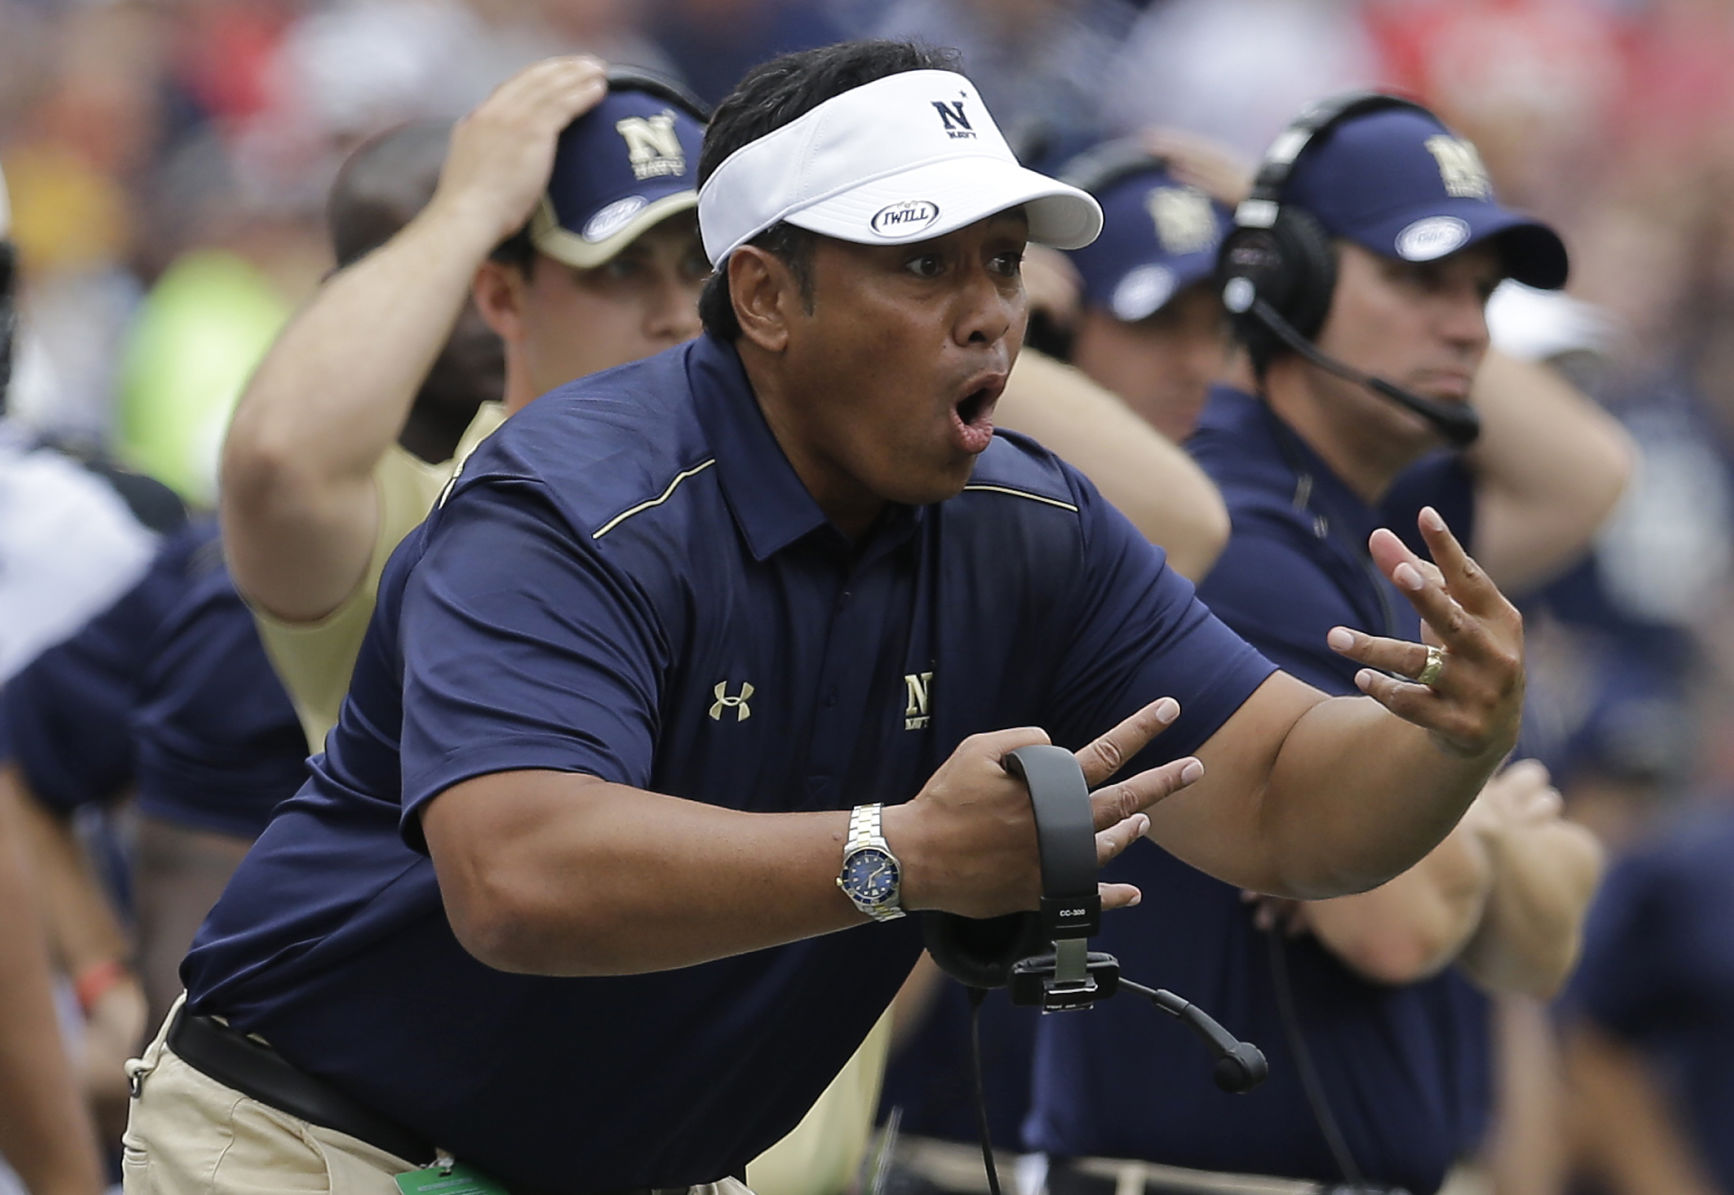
1277, 268
1282, 252
987, 953
1043, 957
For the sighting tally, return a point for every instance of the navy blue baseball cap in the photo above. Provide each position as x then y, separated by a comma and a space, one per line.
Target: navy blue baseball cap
1399, 183
1159, 236
627, 164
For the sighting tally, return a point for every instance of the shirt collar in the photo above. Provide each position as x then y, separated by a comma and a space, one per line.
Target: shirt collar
769, 503
1276, 455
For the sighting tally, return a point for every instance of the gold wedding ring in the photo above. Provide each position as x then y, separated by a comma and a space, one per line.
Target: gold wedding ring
1429, 674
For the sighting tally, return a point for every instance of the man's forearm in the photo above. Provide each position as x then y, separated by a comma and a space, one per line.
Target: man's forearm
1155, 484
1414, 926
327, 402
558, 873
85, 931
1549, 467
45, 1128
1544, 878
1357, 795
1312, 797
664, 882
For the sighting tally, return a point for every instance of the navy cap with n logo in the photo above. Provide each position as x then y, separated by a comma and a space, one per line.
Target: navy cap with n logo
624, 166
1398, 182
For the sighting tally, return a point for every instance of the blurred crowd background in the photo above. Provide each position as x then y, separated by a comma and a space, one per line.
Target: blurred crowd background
167, 161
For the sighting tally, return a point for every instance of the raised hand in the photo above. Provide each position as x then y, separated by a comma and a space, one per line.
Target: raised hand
968, 840
1464, 681
502, 152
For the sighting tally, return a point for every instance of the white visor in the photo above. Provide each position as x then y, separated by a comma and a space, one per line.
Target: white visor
905, 158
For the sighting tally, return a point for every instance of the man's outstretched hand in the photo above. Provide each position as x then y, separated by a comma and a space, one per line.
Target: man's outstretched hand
967, 841
1475, 700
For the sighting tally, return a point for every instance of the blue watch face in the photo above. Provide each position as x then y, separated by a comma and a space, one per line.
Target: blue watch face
870, 876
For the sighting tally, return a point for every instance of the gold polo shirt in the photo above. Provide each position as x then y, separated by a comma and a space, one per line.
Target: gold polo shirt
314, 659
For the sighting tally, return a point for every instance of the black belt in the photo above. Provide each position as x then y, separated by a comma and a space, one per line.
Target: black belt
1072, 1178
254, 1069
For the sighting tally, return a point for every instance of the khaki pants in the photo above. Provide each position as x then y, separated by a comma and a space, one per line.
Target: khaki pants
188, 1134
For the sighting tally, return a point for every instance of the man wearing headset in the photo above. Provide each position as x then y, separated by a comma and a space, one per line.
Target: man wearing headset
563, 896
1150, 327
1376, 233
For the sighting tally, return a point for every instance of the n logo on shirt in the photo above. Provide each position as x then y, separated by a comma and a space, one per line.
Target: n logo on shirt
915, 714
737, 703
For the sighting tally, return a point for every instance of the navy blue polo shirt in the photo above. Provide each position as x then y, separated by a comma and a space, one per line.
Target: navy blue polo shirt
1658, 973
628, 580
217, 742
1404, 1070
64, 715
931, 1077
167, 692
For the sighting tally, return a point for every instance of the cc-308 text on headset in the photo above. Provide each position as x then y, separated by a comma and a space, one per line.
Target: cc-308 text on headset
1278, 266
1044, 957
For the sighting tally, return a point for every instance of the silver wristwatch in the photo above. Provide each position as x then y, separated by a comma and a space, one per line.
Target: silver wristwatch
871, 875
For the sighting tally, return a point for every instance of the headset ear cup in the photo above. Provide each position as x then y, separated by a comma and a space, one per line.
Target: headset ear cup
981, 952
1292, 266
1253, 256
1311, 262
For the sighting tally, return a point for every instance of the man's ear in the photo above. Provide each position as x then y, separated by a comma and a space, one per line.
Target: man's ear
765, 295
498, 290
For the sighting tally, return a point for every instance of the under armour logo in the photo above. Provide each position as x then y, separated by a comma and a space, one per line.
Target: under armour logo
917, 685
951, 116
652, 145
1460, 168
737, 703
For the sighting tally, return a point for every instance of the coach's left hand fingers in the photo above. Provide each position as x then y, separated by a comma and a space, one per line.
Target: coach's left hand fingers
1475, 697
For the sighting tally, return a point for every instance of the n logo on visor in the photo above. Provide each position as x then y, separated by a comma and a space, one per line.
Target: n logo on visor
951, 116
652, 145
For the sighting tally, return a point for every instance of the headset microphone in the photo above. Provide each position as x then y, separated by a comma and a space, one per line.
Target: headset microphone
1044, 958
1459, 425
1240, 1065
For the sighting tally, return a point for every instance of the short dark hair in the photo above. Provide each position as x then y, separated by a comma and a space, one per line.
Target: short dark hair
380, 187
518, 251
772, 95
